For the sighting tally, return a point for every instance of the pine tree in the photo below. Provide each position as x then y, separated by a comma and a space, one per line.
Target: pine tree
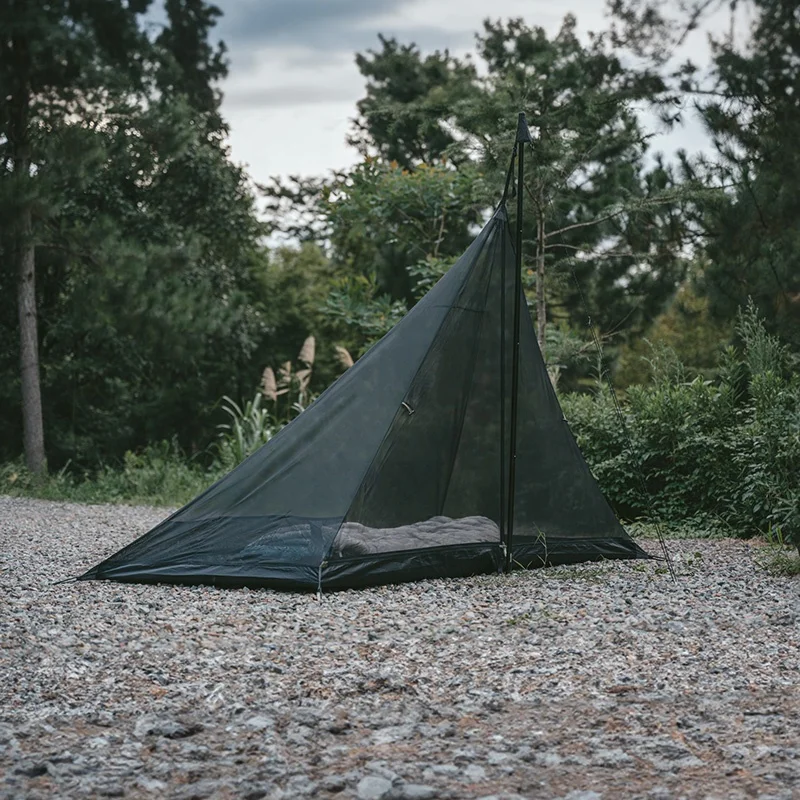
593, 205
56, 59
749, 102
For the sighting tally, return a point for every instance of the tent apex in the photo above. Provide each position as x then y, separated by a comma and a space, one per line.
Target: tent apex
523, 133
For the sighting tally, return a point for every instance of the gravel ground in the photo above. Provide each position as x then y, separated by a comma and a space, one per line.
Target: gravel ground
601, 681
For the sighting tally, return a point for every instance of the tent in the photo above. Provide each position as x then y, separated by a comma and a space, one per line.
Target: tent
443, 452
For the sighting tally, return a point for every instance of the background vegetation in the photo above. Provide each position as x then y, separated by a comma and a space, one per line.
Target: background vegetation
150, 337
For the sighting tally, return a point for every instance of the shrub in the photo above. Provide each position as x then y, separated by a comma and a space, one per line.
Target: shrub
159, 475
725, 453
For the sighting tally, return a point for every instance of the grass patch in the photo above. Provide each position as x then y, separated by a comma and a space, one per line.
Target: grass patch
779, 561
159, 476
779, 557
691, 528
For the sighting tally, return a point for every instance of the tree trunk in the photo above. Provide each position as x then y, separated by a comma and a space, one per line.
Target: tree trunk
541, 307
24, 255
32, 425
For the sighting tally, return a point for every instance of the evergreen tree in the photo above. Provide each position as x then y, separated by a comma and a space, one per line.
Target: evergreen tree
407, 96
190, 65
56, 61
149, 251
594, 207
749, 101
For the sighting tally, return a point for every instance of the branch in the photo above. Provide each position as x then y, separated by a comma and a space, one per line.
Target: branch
586, 224
440, 237
602, 253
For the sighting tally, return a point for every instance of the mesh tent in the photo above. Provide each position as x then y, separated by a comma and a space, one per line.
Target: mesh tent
401, 469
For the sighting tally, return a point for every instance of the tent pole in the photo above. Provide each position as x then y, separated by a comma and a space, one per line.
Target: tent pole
503, 282
523, 136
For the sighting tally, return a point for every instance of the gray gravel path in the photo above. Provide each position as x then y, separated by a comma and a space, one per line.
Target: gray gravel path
601, 681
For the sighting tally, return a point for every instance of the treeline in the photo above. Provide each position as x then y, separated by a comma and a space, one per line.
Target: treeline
137, 288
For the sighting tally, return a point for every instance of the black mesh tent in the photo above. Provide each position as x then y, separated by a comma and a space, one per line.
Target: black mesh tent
443, 452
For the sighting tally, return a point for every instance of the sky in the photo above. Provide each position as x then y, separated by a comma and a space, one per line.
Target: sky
293, 83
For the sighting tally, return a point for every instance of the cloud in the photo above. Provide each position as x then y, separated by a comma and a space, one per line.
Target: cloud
302, 22
288, 96
320, 31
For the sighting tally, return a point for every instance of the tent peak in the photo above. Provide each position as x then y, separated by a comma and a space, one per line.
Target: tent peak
523, 133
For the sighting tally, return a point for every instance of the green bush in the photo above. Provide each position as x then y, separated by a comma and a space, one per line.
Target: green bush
159, 475
725, 453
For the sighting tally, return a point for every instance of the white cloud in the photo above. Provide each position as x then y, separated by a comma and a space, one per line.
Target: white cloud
294, 85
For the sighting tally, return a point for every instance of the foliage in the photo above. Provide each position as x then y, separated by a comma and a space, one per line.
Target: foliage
407, 96
357, 305
725, 452
253, 423
614, 222
148, 249
250, 427
749, 103
292, 383
159, 475
295, 289
383, 218
755, 121
390, 233
688, 329
777, 557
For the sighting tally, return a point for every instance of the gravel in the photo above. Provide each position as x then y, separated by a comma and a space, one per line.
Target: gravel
582, 683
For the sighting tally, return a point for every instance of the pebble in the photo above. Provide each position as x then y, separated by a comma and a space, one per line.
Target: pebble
373, 787
584, 682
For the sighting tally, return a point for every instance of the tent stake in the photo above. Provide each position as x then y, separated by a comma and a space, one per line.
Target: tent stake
523, 136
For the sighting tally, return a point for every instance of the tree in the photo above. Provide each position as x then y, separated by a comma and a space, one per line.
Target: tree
749, 101
594, 206
407, 96
384, 219
687, 329
56, 60
753, 238
190, 65
149, 254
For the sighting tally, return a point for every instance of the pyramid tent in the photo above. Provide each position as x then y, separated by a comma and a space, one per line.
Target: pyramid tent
400, 470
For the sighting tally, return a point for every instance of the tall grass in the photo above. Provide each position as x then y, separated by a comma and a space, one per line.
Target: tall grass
161, 475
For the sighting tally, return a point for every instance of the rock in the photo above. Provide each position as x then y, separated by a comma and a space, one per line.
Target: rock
610, 758
300, 786
414, 791
254, 793
475, 773
373, 787
333, 783
109, 790
152, 725
380, 768
198, 790
463, 672
504, 796
97, 742
150, 784
446, 770
260, 722
32, 769
666, 755
393, 734
547, 759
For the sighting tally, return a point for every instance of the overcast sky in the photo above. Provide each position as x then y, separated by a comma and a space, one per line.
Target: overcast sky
293, 83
